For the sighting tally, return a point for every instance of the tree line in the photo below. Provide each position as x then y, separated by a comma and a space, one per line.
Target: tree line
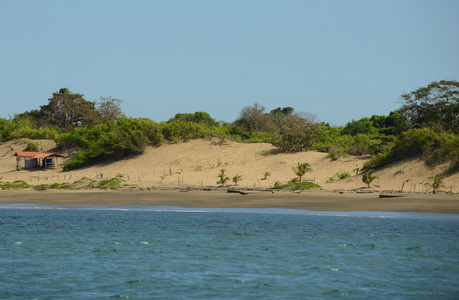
426, 124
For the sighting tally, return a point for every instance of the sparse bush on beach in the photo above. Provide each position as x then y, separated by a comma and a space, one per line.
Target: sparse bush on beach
368, 177
222, 178
18, 184
293, 185
436, 184
109, 183
301, 169
266, 175
236, 178
343, 175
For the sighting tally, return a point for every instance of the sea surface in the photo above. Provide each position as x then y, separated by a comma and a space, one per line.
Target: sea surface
152, 252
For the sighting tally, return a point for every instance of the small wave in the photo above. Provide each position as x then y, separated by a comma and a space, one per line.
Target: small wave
18, 243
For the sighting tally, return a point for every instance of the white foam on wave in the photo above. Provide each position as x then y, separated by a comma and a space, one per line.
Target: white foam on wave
175, 209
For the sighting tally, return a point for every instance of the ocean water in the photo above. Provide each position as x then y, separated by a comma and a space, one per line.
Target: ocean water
176, 253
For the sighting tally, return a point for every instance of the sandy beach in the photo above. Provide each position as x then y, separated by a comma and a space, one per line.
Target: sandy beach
157, 176
318, 201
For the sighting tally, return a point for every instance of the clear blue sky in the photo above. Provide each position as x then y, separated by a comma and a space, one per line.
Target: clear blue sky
340, 60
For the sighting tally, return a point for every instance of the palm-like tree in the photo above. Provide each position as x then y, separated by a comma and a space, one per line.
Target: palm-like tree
368, 177
237, 178
222, 177
301, 169
436, 184
265, 175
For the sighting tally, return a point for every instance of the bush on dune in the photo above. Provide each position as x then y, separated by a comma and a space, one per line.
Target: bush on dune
435, 147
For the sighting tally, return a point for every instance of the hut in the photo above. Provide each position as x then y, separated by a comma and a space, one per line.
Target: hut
30, 160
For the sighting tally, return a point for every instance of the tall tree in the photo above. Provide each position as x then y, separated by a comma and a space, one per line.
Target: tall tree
436, 106
296, 132
66, 109
109, 109
251, 117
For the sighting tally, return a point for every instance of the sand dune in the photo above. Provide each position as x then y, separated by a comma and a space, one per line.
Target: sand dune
196, 163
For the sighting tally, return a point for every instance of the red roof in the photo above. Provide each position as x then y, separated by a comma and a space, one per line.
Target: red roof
25, 153
37, 154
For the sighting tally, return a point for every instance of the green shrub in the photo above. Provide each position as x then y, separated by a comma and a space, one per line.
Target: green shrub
306, 185
435, 147
178, 130
343, 175
109, 183
294, 185
31, 146
15, 185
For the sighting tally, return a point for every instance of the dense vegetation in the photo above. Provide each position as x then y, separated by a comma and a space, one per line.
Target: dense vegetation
427, 124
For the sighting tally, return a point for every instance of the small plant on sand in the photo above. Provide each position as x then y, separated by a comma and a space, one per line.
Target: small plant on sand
237, 178
368, 177
343, 175
436, 184
356, 170
109, 183
305, 185
277, 183
266, 175
295, 185
293, 181
222, 178
18, 184
301, 169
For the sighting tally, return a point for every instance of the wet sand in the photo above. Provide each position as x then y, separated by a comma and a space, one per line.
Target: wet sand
317, 200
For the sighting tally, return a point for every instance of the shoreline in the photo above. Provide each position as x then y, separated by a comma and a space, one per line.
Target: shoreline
307, 200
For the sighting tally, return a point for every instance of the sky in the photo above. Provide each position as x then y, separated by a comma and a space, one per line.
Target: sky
340, 60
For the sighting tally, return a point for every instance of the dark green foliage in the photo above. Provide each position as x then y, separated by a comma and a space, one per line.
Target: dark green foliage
435, 106
435, 147
285, 110
358, 145
107, 140
197, 117
66, 109
178, 130
31, 146
6, 130
362, 126
394, 124
24, 127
